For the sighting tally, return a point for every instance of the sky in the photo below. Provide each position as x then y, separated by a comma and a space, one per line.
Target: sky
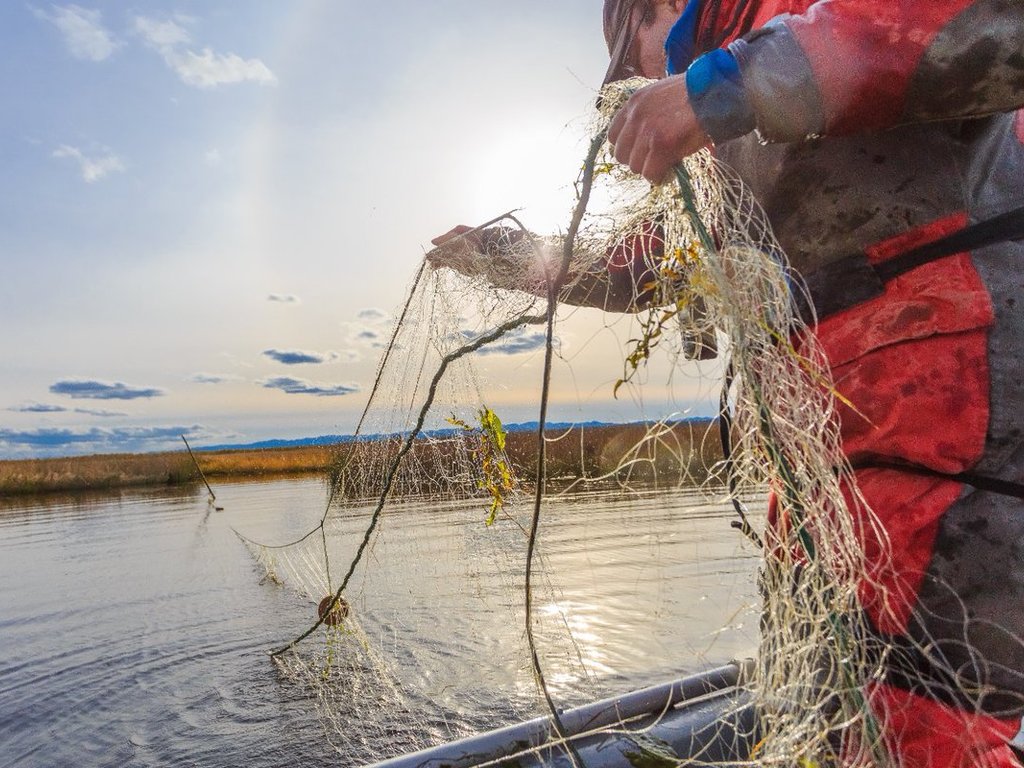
211, 211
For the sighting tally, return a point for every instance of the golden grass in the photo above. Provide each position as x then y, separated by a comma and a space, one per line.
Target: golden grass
637, 451
684, 453
684, 450
148, 469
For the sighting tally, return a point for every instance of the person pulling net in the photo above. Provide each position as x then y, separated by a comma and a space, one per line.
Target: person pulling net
698, 259
880, 644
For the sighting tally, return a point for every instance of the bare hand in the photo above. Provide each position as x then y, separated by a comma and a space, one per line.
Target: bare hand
656, 129
456, 248
451, 234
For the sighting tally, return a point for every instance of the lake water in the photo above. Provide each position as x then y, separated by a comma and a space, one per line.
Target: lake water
136, 627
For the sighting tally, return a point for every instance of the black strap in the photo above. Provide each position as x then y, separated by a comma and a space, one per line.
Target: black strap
999, 229
925, 668
853, 280
981, 482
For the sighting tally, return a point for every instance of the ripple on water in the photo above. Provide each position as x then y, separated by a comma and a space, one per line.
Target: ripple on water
136, 628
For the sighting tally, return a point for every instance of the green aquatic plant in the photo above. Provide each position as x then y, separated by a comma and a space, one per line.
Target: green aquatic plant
496, 476
671, 293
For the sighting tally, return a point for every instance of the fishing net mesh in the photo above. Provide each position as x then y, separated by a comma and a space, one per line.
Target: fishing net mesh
430, 440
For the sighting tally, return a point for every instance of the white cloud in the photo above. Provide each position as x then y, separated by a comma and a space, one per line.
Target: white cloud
162, 35
213, 158
204, 69
83, 31
209, 69
93, 168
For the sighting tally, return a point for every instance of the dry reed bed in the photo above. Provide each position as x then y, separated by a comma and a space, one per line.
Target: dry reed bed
678, 454
109, 471
686, 449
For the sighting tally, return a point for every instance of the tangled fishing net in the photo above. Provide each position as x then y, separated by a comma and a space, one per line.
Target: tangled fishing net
431, 440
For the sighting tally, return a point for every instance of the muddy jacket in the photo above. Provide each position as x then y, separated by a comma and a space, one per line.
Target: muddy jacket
890, 123
866, 128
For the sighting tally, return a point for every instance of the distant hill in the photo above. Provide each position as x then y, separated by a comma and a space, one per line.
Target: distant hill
526, 426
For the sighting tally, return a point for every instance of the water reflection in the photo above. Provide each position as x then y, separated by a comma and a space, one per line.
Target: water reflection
135, 624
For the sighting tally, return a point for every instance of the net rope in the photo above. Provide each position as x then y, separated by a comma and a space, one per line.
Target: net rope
719, 283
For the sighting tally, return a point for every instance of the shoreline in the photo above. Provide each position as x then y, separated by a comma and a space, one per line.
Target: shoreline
580, 452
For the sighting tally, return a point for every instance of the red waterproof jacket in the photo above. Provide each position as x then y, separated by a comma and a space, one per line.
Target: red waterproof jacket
868, 127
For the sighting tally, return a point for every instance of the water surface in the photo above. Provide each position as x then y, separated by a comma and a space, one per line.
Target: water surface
136, 626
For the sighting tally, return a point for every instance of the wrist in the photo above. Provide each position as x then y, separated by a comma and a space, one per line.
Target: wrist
714, 85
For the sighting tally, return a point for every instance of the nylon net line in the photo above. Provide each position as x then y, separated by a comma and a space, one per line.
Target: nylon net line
432, 459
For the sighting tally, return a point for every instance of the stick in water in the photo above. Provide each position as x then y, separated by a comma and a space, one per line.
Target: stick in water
213, 496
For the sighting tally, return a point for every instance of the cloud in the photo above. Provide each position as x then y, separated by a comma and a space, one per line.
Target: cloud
300, 356
154, 433
47, 408
365, 335
99, 412
513, 343
48, 437
203, 69
84, 389
209, 69
93, 168
38, 408
283, 298
294, 386
212, 378
161, 35
370, 329
83, 31
373, 315
122, 438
